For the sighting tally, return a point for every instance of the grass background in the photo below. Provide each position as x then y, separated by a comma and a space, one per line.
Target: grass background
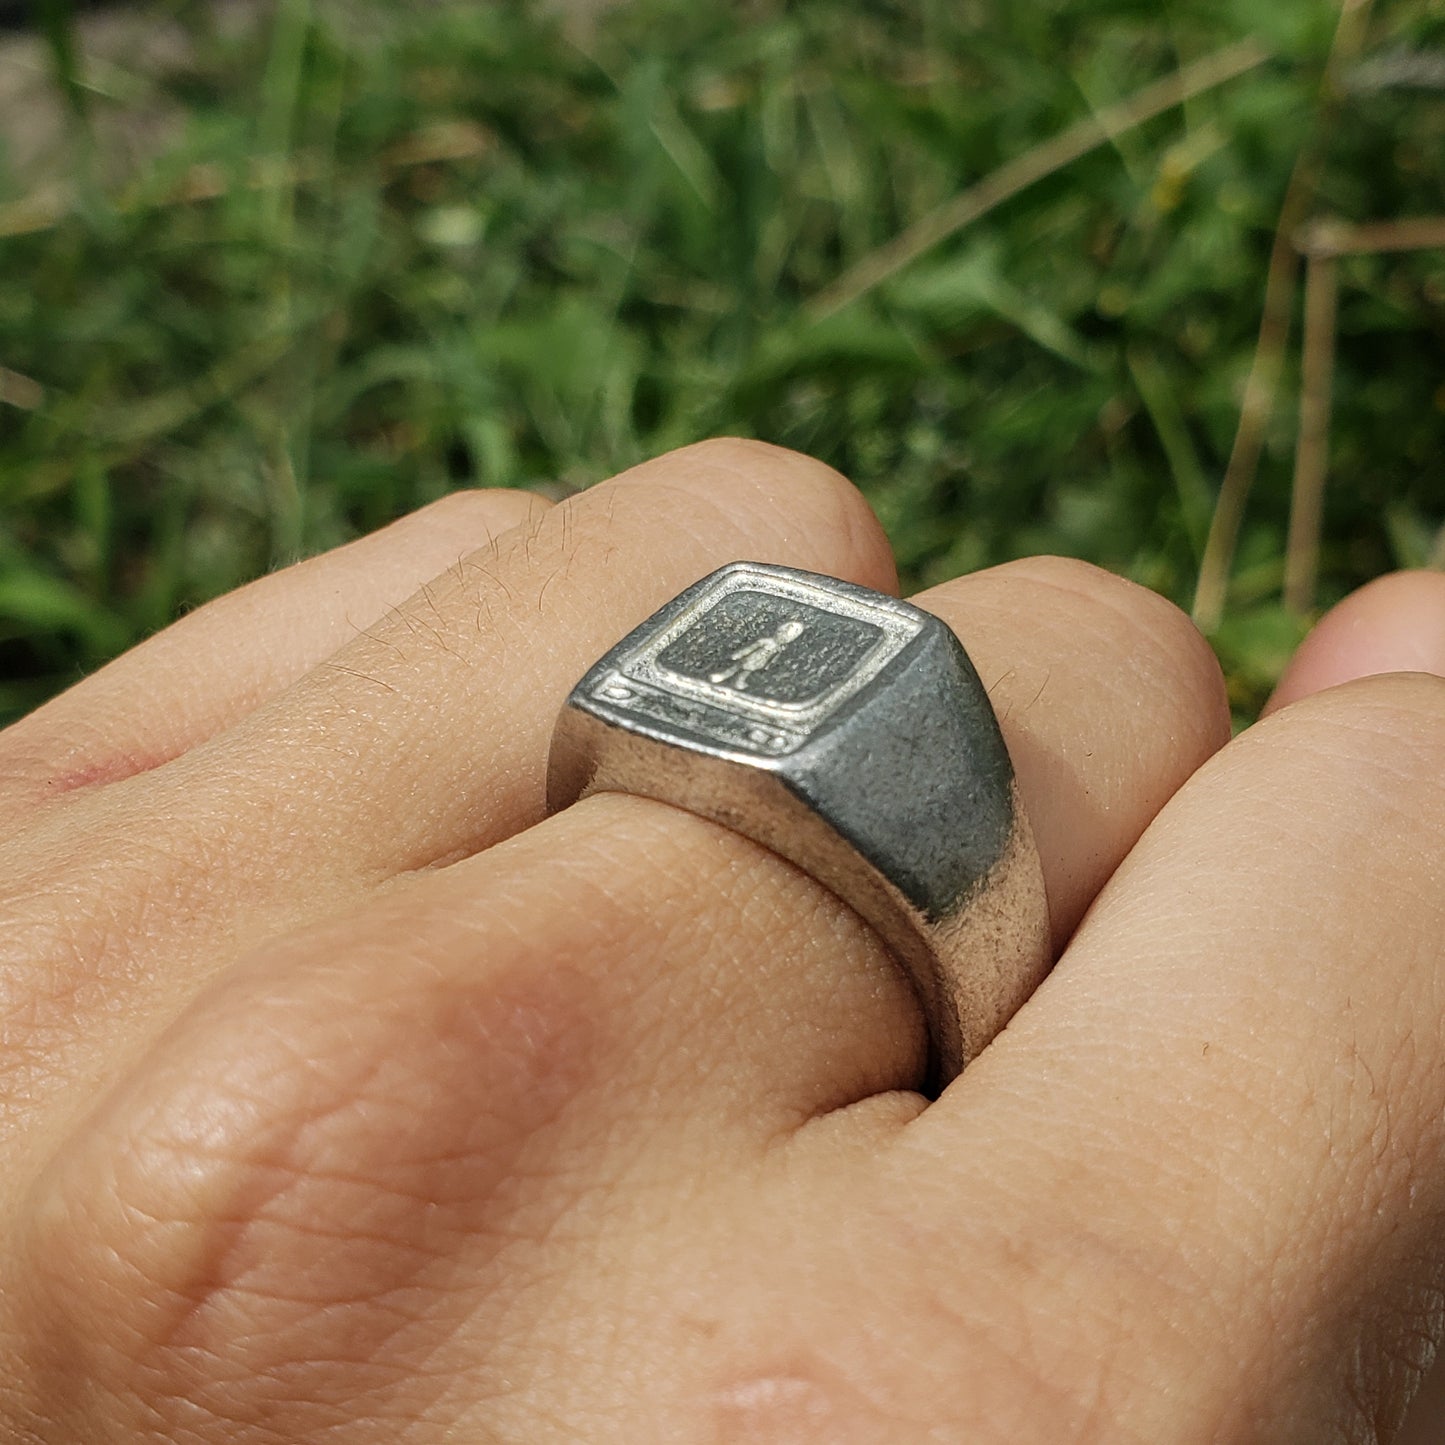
396, 250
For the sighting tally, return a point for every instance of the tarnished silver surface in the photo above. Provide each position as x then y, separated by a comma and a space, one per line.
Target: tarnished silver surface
848, 732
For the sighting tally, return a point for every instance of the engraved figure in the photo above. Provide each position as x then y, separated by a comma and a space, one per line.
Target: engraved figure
757, 655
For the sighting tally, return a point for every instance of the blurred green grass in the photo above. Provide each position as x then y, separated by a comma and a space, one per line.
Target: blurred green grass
396, 251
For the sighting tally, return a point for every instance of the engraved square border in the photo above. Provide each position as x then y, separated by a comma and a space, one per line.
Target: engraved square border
898, 628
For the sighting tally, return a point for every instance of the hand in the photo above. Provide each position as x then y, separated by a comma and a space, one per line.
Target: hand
345, 1098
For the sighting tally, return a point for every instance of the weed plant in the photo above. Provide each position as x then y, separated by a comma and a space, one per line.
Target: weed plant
396, 250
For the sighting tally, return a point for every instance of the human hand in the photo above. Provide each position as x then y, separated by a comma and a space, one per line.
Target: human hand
344, 1098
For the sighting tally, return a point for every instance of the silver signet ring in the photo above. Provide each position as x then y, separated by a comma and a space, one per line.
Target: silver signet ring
848, 732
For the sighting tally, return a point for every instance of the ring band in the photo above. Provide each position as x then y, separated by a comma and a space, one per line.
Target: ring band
848, 732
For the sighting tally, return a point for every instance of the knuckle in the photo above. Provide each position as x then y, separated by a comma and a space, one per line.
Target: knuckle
780, 473
1166, 652
54, 753
1098, 587
733, 456
1378, 739
1408, 705
487, 510
1037, 1345
296, 1170
72, 926
1140, 608
946, 1373
803, 1402
791, 508
1073, 574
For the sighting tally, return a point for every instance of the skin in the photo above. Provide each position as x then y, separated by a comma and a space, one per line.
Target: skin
345, 1097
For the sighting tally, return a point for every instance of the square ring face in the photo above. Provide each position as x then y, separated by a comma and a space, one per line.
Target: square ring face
756, 662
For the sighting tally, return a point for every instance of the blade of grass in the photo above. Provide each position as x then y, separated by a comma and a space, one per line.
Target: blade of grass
35, 600
1302, 551
1279, 290
204, 181
20, 391
1374, 238
163, 413
1190, 483
57, 25
280, 96
1043, 160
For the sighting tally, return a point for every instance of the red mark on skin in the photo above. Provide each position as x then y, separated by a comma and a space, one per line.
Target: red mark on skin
113, 769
